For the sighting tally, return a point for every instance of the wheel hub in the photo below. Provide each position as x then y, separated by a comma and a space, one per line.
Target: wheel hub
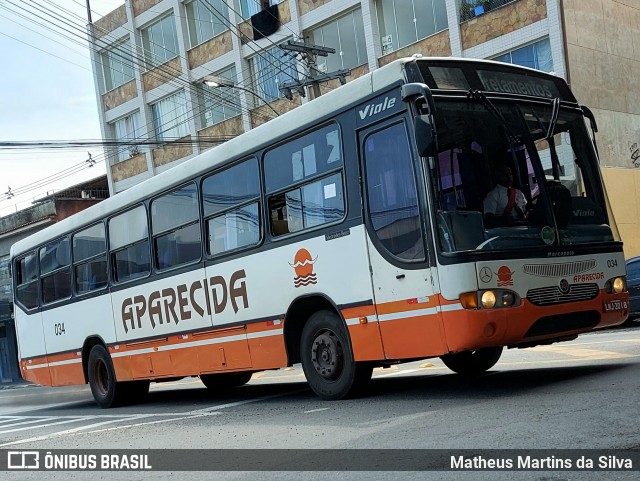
327, 355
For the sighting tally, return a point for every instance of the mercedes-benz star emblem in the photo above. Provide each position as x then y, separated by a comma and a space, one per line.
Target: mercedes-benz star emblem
564, 286
485, 274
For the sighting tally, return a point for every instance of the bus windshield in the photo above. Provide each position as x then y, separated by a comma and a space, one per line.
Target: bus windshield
515, 175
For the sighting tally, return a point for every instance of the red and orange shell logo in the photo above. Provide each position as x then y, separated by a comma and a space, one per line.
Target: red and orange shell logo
505, 276
303, 266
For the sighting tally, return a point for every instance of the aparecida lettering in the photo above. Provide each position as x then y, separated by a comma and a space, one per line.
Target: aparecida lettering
594, 276
177, 304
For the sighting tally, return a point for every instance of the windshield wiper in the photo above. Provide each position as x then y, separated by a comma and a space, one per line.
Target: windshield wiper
488, 105
553, 121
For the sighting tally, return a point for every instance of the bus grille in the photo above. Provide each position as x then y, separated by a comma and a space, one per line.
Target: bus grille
559, 270
547, 296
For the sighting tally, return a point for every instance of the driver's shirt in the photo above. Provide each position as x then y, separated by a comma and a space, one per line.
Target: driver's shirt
497, 199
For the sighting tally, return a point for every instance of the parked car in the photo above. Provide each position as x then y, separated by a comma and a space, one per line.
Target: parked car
633, 285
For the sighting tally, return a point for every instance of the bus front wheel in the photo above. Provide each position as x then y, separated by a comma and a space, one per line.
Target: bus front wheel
471, 363
327, 358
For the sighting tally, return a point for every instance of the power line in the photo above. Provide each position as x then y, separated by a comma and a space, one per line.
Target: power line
223, 97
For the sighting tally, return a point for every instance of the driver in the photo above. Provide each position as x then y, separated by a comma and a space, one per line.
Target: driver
504, 201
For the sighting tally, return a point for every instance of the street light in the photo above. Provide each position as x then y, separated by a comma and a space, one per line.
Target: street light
215, 82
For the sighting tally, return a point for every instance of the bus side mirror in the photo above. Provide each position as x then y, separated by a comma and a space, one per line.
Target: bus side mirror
592, 119
425, 136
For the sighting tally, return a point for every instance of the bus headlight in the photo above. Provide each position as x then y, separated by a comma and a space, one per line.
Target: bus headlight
616, 285
489, 299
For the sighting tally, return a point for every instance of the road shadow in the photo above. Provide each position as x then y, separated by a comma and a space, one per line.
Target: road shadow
493, 383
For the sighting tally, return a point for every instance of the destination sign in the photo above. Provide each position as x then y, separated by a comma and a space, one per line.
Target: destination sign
510, 83
463, 74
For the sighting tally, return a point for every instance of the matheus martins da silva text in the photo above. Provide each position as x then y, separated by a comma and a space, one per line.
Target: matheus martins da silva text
544, 463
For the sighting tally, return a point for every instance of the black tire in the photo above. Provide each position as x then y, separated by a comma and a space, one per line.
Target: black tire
225, 380
102, 379
327, 358
472, 363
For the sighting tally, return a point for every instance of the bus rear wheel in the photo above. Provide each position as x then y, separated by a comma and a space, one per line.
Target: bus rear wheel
225, 380
106, 390
471, 363
327, 358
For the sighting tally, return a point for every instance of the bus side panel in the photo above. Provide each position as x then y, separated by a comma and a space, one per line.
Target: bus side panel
34, 365
266, 343
186, 354
67, 327
364, 331
224, 349
335, 267
408, 310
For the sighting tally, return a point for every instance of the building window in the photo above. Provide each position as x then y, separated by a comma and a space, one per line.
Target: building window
160, 42
170, 117
231, 207
219, 103
90, 259
129, 245
270, 69
403, 22
248, 8
303, 180
536, 55
206, 19
126, 131
175, 221
346, 36
117, 65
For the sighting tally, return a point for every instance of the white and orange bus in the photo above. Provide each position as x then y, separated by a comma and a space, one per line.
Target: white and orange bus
347, 234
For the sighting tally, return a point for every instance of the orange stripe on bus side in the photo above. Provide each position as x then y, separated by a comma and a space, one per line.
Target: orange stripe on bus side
406, 305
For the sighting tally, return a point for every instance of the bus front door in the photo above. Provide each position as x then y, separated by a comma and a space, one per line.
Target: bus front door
403, 279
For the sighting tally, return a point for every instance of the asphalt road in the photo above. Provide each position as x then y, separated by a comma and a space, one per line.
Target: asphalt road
582, 394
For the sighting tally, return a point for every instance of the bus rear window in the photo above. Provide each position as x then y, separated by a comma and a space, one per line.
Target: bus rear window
55, 272
27, 280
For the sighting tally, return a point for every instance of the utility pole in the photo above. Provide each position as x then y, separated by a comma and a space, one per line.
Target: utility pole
308, 53
89, 12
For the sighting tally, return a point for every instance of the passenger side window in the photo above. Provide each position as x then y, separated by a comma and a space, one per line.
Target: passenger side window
90, 259
231, 206
304, 182
392, 193
175, 221
55, 271
129, 245
27, 280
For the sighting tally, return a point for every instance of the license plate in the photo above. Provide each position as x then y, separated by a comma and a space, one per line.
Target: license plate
615, 305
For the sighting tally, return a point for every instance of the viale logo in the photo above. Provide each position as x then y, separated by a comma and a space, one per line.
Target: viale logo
374, 109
